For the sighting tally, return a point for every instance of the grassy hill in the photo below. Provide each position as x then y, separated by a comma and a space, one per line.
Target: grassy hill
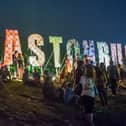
22, 105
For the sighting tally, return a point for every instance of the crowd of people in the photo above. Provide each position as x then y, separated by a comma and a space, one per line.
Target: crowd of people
19, 70
86, 82
79, 83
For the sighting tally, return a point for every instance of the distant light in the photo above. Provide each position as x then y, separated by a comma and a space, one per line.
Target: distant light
53, 78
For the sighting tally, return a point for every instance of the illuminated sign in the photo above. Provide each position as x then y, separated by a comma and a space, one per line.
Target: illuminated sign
116, 53
12, 44
55, 40
89, 49
103, 53
35, 40
73, 49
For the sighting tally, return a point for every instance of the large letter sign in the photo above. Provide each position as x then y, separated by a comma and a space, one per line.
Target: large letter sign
73, 49
12, 44
55, 40
103, 53
73, 53
119, 50
34, 41
89, 49
124, 59
116, 53
12, 51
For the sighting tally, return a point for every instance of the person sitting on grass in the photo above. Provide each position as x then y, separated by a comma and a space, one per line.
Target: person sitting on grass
5, 74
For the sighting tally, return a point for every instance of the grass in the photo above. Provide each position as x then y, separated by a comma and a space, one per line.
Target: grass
17, 99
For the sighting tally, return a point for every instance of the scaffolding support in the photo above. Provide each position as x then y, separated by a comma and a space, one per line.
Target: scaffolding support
48, 61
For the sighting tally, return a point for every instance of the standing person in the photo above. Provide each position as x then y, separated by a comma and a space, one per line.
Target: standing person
87, 99
102, 84
20, 65
79, 71
68, 65
25, 60
15, 63
97, 73
113, 77
25, 78
120, 72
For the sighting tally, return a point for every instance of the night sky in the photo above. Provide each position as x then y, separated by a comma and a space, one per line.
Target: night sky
103, 20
